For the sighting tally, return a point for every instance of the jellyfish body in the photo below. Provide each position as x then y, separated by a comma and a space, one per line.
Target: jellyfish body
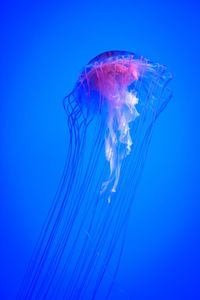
111, 113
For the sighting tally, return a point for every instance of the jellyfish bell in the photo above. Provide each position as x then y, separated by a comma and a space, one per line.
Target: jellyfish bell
110, 74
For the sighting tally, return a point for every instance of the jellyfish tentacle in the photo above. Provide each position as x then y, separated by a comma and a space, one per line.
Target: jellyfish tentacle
111, 113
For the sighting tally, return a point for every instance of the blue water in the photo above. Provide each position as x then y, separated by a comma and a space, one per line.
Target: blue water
44, 46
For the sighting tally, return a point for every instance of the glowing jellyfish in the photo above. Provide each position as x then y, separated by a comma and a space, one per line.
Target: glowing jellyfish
111, 113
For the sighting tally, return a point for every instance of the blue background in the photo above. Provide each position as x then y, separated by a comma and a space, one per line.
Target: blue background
43, 47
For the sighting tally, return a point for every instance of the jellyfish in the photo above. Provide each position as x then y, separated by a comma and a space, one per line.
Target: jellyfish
111, 113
